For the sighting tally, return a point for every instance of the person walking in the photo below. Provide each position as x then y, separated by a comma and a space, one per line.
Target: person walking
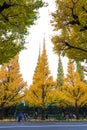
20, 117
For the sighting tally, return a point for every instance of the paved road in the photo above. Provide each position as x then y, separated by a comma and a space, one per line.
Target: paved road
44, 126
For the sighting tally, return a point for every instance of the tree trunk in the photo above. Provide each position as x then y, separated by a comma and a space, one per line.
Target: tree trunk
1, 113
76, 110
43, 104
43, 114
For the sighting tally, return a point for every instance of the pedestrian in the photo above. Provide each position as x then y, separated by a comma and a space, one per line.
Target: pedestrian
46, 116
24, 116
35, 115
20, 117
15, 114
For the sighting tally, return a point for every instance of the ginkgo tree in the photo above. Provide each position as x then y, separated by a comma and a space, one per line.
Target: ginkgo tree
70, 24
60, 73
16, 17
39, 91
80, 70
11, 85
74, 90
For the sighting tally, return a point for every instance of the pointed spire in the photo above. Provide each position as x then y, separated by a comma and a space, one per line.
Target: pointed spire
44, 42
39, 49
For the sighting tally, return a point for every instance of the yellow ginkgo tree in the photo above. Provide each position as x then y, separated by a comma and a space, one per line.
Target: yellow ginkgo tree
39, 91
70, 22
11, 84
74, 90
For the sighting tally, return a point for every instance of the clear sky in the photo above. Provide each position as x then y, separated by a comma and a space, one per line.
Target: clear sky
28, 58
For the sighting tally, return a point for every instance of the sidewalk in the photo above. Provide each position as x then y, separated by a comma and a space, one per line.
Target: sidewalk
46, 120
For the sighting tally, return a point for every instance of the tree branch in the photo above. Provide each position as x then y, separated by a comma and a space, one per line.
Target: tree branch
75, 20
4, 6
74, 47
8, 5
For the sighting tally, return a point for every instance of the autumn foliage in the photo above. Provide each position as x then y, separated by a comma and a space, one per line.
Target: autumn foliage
39, 91
11, 84
70, 22
73, 92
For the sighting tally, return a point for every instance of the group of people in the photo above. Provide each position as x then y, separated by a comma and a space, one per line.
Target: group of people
24, 117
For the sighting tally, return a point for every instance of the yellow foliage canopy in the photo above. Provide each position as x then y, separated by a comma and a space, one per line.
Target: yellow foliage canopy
38, 93
11, 84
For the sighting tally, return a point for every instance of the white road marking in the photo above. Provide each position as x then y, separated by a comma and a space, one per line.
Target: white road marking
39, 126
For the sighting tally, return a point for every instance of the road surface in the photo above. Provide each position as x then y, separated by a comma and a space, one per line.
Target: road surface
44, 126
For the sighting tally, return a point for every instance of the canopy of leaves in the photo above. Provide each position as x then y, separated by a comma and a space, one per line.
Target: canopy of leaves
70, 24
11, 84
75, 93
16, 16
60, 74
80, 70
39, 91
74, 89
